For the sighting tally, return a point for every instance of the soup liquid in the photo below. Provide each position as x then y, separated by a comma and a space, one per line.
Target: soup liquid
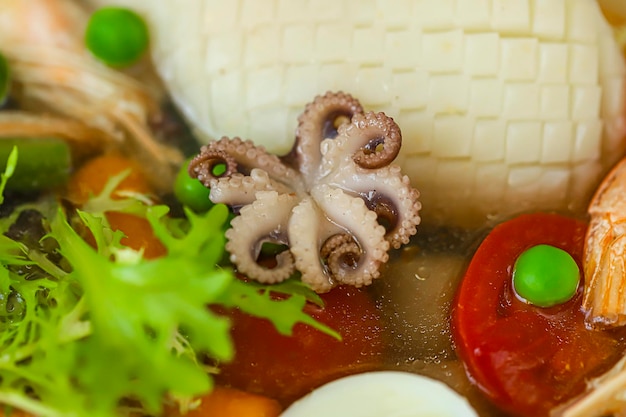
415, 293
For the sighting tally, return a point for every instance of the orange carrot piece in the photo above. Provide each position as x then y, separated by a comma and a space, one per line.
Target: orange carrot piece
91, 178
139, 234
230, 402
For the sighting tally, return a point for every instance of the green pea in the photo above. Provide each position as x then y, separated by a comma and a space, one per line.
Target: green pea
190, 191
5, 79
117, 36
545, 276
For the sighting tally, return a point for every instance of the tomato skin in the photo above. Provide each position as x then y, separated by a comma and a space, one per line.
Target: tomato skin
526, 359
288, 367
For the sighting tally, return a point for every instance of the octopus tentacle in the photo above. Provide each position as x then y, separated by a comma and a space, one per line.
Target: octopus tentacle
407, 206
305, 248
263, 220
320, 120
204, 166
389, 194
340, 252
238, 156
239, 190
351, 214
373, 140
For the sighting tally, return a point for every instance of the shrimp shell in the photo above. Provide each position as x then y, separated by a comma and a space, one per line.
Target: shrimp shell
604, 261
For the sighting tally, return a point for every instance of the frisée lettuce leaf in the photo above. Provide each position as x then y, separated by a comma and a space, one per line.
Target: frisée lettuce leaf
107, 332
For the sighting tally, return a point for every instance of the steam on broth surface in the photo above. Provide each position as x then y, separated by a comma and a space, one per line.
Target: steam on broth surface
574, 131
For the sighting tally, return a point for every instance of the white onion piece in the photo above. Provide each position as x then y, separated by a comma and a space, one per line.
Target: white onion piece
504, 105
385, 393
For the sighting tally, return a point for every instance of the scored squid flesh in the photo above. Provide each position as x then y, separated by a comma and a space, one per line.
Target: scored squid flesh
505, 106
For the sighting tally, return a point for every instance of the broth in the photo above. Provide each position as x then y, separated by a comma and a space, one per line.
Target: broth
415, 294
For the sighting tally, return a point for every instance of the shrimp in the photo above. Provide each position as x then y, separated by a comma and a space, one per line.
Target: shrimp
604, 298
54, 72
604, 263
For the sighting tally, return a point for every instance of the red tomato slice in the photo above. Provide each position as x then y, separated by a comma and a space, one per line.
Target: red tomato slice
287, 367
526, 359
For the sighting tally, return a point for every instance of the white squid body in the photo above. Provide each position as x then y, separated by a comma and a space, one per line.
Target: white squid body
504, 105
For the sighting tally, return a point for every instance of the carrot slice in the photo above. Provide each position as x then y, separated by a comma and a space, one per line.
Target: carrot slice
230, 402
91, 178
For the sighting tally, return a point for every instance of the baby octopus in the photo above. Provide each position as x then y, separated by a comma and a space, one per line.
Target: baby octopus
335, 200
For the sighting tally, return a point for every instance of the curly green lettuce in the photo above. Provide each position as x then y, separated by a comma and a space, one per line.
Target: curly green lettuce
110, 332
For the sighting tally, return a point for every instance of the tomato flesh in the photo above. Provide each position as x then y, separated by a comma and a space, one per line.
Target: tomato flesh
527, 359
287, 367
